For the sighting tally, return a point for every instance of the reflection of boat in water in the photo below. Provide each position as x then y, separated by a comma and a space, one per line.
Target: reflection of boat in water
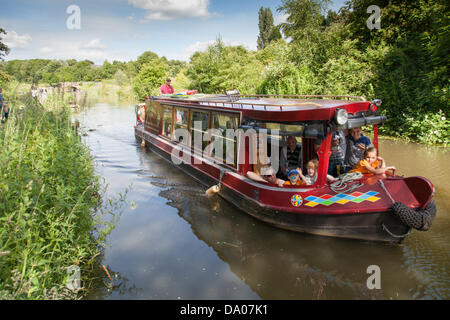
278, 264
364, 210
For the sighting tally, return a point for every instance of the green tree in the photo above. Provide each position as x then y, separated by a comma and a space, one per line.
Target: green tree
265, 27
304, 18
145, 58
223, 68
150, 78
4, 50
120, 77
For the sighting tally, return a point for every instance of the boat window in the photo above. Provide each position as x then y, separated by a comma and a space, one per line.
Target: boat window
181, 121
283, 129
224, 122
167, 122
199, 127
155, 115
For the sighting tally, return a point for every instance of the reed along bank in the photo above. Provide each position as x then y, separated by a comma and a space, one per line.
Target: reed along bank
49, 196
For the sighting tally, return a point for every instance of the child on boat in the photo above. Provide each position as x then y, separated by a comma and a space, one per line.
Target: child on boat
294, 178
311, 177
371, 163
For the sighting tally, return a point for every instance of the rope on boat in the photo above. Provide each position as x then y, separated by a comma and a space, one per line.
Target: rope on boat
394, 235
418, 219
342, 185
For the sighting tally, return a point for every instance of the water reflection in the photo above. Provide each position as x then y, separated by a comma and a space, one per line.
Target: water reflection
173, 242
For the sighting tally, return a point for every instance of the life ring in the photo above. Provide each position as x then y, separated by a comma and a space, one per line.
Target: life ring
140, 113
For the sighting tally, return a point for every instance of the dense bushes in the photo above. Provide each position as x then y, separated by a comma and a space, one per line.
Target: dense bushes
405, 63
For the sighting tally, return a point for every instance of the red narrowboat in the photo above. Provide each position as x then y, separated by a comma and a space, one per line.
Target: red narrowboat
190, 130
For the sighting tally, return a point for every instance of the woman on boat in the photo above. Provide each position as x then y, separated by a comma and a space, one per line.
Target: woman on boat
267, 174
372, 163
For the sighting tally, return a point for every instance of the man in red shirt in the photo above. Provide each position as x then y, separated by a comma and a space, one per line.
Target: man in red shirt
167, 88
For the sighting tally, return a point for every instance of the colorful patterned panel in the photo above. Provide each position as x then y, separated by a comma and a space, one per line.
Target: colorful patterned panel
328, 200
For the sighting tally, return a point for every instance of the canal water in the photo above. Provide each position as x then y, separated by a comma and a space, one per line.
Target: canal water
173, 242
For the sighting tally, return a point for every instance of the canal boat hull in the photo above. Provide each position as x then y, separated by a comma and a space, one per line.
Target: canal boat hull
375, 226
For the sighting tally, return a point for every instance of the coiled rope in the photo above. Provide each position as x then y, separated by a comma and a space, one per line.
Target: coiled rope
342, 185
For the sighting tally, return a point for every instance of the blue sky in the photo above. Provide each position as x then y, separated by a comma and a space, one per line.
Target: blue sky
124, 29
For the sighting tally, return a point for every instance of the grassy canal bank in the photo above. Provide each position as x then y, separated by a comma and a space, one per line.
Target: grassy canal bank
49, 204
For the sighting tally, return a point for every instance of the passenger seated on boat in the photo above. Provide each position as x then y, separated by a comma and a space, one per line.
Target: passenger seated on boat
337, 157
338, 150
311, 177
294, 178
372, 163
230, 125
267, 174
356, 145
291, 156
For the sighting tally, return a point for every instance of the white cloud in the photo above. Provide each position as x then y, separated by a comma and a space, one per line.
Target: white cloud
94, 45
198, 46
92, 50
282, 18
173, 9
45, 50
14, 40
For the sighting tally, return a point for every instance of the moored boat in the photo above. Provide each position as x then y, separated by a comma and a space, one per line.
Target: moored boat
218, 139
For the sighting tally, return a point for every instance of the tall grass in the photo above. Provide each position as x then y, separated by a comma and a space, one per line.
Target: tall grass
109, 91
48, 196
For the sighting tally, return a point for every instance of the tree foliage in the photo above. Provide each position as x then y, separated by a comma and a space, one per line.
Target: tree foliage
268, 32
150, 78
4, 50
405, 63
223, 68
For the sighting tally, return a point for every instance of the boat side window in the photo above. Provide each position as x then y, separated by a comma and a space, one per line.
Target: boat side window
226, 150
181, 121
199, 127
167, 122
287, 158
155, 115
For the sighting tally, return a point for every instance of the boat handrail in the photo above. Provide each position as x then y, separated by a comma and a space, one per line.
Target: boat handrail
339, 97
255, 106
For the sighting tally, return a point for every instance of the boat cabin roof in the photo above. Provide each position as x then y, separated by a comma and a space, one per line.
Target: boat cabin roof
272, 108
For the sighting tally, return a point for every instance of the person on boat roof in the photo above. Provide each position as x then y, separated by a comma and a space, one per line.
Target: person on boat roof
167, 88
357, 143
372, 163
291, 156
